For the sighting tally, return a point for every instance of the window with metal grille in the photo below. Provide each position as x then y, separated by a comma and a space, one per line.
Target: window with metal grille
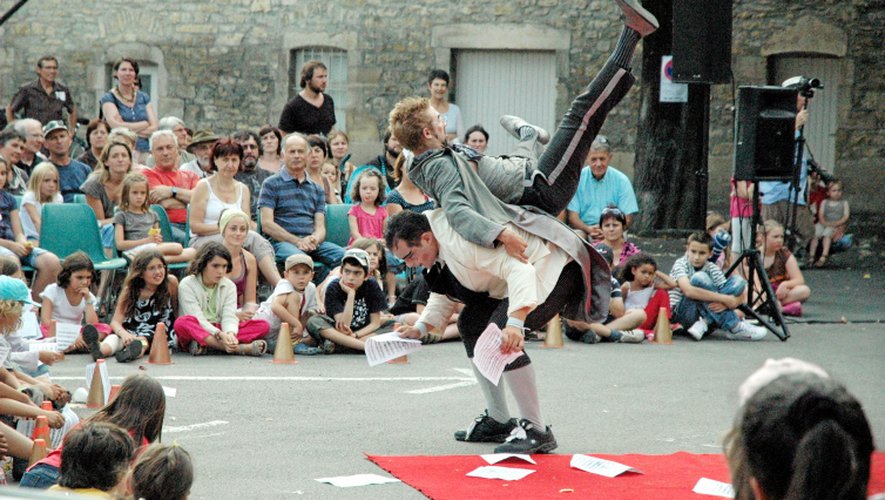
336, 62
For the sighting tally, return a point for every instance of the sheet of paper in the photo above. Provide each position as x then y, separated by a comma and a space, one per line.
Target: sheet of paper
495, 472
45, 345
30, 326
26, 426
382, 348
707, 486
357, 480
66, 334
493, 458
4, 352
487, 354
169, 391
105, 379
600, 466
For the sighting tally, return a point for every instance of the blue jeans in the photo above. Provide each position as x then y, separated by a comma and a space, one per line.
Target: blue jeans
179, 233
329, 254
689, 310
41, 476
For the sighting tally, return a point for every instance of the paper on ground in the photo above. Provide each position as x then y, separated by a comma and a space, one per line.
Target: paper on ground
105, 379
382, 348
487, 354
43, 345
26, 426
600, 466
493, 458
169, 391
357, 480
495, 472
716, 488
30, 327
66, 334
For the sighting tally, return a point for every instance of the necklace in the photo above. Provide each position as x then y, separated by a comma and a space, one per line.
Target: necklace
130, 99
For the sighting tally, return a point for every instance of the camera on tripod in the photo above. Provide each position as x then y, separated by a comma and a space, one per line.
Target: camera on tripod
804, 85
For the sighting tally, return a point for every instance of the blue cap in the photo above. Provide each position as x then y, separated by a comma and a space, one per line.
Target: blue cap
15, 289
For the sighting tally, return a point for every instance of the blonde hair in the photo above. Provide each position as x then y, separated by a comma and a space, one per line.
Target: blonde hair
122, 133
10, 309
130, 180
101, 171
408, 121
714, 219
37, 175
769, 226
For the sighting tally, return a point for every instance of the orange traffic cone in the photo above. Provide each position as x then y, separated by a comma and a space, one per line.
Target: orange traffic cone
46, 405
38, 452
41, 429
554, 333
96, 390
284, 353
115, 389
663, 332
159, 348
402, 360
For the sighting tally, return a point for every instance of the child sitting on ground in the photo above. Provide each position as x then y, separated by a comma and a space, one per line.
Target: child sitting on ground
782, 269
833, 212
718, 229
353, 306
70, 301
645, 288
95, 460
620, 323
704, 297
293, 301
149, 298
409, 304
162, 472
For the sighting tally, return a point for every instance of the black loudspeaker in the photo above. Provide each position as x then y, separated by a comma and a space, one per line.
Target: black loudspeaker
765, 144
702, 41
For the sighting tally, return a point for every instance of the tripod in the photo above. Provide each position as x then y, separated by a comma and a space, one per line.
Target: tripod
762, 302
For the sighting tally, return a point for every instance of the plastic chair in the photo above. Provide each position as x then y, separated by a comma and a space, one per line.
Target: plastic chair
337, 225
18, 204
166, 232
80, 198
71, 227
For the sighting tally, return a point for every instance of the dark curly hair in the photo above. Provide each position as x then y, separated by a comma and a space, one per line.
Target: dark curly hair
205, 254
77, 261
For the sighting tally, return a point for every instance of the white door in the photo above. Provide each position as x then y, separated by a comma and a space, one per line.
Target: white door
820, 132
491, 83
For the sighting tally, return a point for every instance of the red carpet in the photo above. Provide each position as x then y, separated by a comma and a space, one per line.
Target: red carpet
665, 477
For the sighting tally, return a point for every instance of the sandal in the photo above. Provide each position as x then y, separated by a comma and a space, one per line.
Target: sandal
130, 352
90, 336
195, 348
821, 262
256, 348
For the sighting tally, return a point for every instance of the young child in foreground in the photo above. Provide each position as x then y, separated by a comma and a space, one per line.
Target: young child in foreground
704, 297
646, 288
293, 301
162, 472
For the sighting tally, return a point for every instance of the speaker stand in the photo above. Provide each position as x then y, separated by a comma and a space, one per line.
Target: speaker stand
759, 302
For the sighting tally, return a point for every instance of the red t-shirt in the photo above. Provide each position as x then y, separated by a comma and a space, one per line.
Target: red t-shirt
172, 178
54, 457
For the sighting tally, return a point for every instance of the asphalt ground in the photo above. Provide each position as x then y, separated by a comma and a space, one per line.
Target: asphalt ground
259, 430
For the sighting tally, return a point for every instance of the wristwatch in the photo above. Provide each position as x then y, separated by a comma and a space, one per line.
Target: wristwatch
174, 192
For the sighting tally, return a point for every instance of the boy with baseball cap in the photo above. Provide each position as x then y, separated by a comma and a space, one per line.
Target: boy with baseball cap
353, 306
294, 301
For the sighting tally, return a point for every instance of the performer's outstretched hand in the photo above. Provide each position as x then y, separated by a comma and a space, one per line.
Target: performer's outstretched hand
408, 332
512, 340
513, 244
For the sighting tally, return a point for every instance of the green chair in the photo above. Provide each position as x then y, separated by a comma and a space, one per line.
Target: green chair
71, 227
80, 198
166, 232
337, 225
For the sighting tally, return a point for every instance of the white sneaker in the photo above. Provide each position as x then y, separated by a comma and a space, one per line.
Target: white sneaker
632, 336
746, 331
698, 329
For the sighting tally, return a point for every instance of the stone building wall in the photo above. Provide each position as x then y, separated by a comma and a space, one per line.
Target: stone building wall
224, 65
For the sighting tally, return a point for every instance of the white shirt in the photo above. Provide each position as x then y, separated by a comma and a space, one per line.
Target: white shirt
284, 287
28, 226
62, 309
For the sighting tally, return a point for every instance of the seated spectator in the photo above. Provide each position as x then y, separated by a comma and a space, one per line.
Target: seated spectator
122, 134
249, 173
96, 136
293, 210
704, 297
271, 149
178, 128
600, 186
406, 195
718, 227
201, 149
95, 460
333, 177
353, 307
477, 138
103, 187
316, 157
170, 186
71, 173
139, 408
42, 188
798, 434
126, 106
613, 224
645, 288
339, 142
14, 243
832, 213
620, 324
293, 301
208, 309
782, 269
32, 131
11, 146
45, 99
162, 472
70, 300
234, 227
221, 192
383, 163
377, 265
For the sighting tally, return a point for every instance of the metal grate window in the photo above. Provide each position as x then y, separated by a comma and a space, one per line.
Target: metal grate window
336, 61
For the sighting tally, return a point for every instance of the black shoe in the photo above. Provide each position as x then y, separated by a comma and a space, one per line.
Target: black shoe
130, 352
526, 439
90, 336
486, 429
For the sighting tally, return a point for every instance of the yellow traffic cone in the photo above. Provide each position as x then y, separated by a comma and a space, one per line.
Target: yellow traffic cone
554, 333
159, 354
284, 354
663, 332
96, 389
